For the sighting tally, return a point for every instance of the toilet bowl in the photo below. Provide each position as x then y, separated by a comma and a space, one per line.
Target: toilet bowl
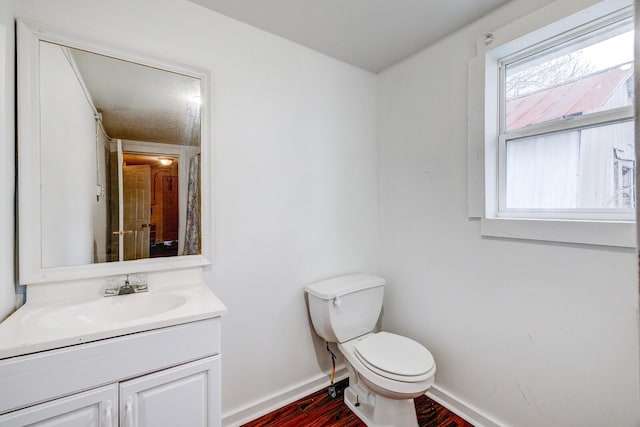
397, 366
386, 371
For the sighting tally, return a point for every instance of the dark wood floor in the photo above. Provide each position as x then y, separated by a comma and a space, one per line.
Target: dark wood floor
320, 410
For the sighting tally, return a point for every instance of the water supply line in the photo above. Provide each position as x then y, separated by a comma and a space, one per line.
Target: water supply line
332, 387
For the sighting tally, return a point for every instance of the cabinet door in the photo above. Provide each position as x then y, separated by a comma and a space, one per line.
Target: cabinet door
187, 395
93, 408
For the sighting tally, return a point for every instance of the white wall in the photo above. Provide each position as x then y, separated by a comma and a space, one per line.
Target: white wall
294, 176
68, 150
7, 157
526, 333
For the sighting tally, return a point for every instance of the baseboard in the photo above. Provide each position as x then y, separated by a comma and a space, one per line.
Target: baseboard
256, 409
461, 408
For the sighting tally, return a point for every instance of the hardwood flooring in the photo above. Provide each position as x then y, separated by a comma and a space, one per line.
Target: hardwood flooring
320, 410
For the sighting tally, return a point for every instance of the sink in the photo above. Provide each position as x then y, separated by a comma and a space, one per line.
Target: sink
57, 316
105, 311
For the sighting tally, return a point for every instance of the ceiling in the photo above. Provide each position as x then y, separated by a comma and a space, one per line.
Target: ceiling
371, 34
141, 103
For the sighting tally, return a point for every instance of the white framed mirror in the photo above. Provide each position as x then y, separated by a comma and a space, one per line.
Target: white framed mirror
113, 160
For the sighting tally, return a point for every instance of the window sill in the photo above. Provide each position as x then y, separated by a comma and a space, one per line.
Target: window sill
602, 233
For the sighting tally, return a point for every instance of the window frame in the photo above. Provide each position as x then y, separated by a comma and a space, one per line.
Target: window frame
589, 120
537, 28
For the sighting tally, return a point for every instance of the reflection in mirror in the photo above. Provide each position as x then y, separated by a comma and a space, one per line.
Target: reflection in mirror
120, 168
157, 177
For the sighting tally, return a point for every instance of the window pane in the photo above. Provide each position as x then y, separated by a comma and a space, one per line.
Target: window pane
591, 73
592, 168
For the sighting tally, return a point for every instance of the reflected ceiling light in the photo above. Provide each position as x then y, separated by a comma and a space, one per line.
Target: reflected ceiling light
165, 162
196, 99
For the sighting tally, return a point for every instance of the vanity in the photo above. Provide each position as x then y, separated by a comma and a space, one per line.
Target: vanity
148, 359
114, 173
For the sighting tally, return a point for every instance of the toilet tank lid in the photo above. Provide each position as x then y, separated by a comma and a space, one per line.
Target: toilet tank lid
343, 285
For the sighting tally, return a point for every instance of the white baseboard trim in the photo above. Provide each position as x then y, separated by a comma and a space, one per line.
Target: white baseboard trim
461, 408
258, 408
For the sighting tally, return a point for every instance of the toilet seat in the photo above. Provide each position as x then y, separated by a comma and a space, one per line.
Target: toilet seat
395, 357
382, 382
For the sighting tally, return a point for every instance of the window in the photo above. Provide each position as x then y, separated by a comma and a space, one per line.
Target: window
566, 132
551, 126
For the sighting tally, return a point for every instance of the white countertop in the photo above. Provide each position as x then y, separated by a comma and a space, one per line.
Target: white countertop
48, 320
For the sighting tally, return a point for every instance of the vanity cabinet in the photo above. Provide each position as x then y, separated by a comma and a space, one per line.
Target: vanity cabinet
93, 408
186, 395
163, 377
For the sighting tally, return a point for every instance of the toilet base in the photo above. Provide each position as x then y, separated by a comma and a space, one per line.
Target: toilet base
379, 411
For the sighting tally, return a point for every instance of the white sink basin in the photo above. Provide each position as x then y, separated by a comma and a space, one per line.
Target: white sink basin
105, 311
59, 315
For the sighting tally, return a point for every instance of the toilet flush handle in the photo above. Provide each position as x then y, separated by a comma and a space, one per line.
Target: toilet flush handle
337, 302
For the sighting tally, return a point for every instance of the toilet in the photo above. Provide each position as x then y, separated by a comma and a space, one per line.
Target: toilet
386, 371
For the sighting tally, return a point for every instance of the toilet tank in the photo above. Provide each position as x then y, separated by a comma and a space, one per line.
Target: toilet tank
345, 307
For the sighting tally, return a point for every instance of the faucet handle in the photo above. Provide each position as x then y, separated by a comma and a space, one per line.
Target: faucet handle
139, 282
114, 284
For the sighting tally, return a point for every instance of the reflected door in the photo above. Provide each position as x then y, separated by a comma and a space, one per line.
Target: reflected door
137, 211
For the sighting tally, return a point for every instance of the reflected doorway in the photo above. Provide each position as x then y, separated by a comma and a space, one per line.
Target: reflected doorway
150, 205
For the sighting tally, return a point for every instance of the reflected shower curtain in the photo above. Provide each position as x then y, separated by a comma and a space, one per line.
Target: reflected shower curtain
192, 232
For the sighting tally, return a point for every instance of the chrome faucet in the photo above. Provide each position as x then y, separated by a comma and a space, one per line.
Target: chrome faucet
124, 285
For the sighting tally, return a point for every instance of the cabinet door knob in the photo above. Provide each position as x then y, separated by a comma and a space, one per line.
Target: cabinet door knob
129, 412
108, 416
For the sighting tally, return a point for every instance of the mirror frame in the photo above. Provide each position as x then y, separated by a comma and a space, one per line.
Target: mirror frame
31, 271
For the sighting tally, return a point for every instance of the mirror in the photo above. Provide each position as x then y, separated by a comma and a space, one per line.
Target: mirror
119, 139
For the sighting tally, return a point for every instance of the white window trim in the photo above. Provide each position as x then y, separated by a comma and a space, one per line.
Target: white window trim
537, 27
